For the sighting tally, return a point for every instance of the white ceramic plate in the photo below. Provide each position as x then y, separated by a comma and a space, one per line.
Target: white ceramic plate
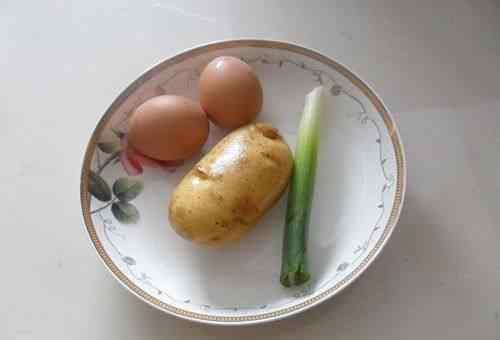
359, 193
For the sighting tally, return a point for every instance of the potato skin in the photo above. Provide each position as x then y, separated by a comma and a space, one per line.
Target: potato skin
232, 186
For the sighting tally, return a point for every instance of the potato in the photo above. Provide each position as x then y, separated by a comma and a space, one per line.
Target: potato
231, 187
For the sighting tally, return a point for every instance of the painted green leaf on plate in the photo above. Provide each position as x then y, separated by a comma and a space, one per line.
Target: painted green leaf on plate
343, 266
125, 212
118, 133
109, 147
126, 189
98, 187
129, 260
335, 90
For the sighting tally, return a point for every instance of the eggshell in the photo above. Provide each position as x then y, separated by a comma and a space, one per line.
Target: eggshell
230, 92
168, 128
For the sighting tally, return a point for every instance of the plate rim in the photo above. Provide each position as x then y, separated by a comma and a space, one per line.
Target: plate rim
363, 86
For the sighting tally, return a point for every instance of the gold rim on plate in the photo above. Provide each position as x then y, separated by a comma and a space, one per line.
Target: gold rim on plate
280, 313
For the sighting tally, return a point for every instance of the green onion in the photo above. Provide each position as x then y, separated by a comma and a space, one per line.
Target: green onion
294, 269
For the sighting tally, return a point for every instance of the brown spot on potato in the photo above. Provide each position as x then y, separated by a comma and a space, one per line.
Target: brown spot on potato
215, 239
245, 207
268, 131
222, 224
180, 212
271, 157
216, 196
240, 220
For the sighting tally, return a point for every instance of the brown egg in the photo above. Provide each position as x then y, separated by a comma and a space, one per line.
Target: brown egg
230, 92
168, 128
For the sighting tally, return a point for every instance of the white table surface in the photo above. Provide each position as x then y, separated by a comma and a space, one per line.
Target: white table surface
435, 63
